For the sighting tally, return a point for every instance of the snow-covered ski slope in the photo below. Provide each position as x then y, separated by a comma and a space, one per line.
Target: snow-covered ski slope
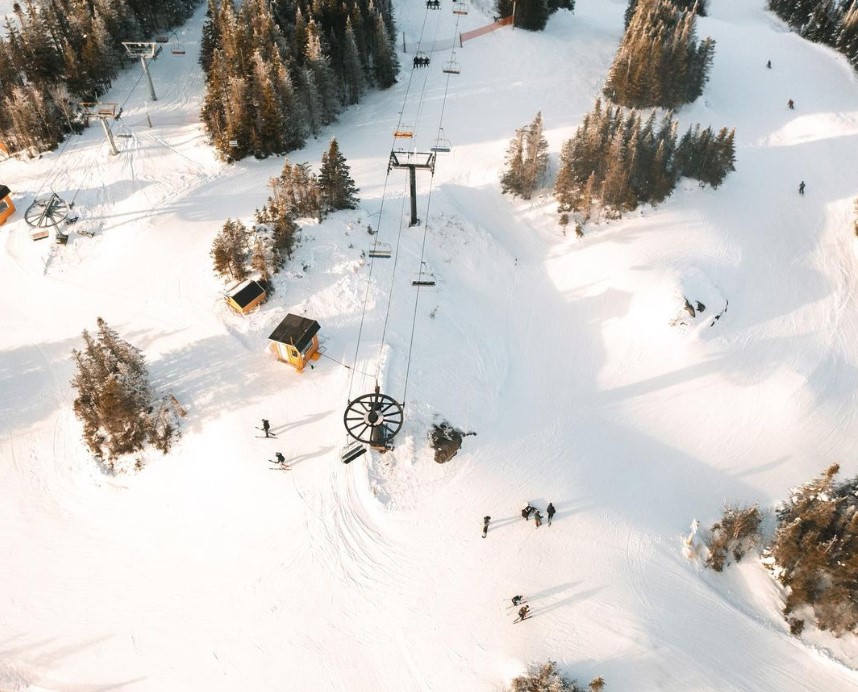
205, 571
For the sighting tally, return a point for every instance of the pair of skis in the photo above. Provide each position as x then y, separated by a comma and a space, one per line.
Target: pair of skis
270, 434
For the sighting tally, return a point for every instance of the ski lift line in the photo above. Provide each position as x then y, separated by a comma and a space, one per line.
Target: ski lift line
378, 225
392, 283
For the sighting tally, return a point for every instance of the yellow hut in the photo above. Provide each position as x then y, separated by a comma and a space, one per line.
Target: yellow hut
6, 206
246, 296
296, 341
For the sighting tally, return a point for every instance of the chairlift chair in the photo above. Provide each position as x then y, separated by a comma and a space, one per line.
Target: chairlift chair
403, 132
460, 8
161, 38
177, 48
442, 145
433, 4
424, 277
352, 451
380, 250
452, 67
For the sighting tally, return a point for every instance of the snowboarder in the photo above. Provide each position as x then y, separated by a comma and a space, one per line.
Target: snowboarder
527, 511
801, 188
486, 521
266, 427
516, 600
538, 518
769, 64
523, 612
551, 512
790, 105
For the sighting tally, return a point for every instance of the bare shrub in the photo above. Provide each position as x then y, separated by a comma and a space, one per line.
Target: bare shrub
546, 677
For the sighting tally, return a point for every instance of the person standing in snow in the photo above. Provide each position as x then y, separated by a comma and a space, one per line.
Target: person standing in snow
790, 105
486, 521
526, 512
266, 427
769, 64
801, 188
551, 512
538, 518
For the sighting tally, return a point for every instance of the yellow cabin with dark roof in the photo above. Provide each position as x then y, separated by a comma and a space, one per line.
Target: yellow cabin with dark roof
296, 341
6, 206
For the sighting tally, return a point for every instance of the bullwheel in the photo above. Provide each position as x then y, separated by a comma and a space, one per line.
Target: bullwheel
373, 418
46, 211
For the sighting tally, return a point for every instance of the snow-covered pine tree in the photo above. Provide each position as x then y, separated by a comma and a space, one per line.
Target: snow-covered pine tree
385, 64
230, 250
354, 82
535, 157
114, 399
511, 180
338, 190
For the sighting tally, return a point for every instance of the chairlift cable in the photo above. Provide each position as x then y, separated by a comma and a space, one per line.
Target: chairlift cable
377, 230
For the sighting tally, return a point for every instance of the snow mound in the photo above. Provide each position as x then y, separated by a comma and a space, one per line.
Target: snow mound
697, 301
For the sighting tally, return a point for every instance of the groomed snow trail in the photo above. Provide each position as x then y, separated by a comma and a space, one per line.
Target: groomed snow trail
213, 570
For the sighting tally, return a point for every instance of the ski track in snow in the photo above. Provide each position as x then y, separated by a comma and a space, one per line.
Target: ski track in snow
205, 571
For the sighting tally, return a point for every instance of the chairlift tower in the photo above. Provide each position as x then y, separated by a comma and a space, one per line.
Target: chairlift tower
104, 112
412, 161
145, 50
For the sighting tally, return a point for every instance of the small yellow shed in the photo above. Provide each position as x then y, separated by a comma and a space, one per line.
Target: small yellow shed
6, 206
246, 296
296, 341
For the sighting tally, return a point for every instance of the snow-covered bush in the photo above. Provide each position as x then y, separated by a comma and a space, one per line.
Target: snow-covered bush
737, 532
546, 677
115, 402
815, 552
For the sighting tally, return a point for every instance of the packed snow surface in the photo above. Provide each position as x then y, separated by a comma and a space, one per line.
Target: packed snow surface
206, 571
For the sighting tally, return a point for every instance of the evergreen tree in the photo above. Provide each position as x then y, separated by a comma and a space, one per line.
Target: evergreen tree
526, 160
659, 61
336, 186
511, 180
230, 250
114, 399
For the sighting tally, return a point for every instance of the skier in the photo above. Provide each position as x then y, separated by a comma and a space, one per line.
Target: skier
527, 511
551, 511
280, 458
523, 612
516, 600
769, 64
790, 105
416, 61
801, 188
266, 427
486, 521
538, 517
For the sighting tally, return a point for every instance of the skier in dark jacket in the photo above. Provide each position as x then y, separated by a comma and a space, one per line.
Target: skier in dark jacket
280, 458
769, 64
790, 105
266, 427
551, 512
516, 600
801, 188
486, 521
527, 511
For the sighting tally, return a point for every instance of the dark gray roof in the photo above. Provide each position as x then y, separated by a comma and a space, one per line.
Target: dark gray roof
295, 330
247, 294
3, 191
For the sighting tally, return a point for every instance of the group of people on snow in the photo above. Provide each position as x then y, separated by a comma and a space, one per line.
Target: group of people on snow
537, 515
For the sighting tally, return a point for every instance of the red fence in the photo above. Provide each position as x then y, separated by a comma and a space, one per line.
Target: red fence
483, 30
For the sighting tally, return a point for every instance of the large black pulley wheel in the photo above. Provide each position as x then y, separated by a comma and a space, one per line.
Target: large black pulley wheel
46, 211
373, 418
